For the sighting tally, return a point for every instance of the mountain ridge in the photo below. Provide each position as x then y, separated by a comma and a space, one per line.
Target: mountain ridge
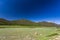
25, 22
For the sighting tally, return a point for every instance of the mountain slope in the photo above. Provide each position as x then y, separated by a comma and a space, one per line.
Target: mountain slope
4, 22
25, 22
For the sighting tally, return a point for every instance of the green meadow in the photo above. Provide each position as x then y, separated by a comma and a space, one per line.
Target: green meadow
43, 33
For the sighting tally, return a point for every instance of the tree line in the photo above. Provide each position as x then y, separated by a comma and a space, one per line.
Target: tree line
25, 22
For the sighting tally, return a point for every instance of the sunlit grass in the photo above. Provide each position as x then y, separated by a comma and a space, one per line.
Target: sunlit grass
27, 33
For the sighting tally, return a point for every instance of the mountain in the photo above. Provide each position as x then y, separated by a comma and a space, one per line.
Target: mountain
4, 22
47, 24
25, 22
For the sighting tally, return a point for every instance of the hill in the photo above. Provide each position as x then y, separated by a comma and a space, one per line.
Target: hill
25, 22
47, 24
4, 22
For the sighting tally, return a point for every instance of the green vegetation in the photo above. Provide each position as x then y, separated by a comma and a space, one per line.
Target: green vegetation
25, 22
27, 30
54, 34
28, 33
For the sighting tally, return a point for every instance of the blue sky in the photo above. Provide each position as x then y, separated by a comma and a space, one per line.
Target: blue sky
35, 10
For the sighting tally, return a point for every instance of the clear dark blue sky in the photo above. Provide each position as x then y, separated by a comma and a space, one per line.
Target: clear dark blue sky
35, 10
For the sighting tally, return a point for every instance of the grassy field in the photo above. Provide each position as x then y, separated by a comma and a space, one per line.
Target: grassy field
27, 33
16, 26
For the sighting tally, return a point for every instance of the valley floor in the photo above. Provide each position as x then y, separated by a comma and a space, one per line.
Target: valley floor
28, 33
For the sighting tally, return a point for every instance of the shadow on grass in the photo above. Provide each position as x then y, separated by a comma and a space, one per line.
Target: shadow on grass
54, 34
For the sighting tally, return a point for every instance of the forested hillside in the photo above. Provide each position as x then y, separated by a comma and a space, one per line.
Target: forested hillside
25, 22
